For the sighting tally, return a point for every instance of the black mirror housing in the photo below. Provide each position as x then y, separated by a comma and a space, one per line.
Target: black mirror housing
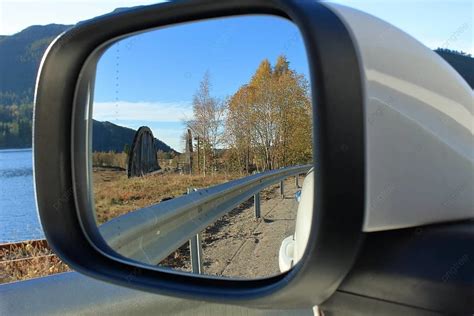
64, 89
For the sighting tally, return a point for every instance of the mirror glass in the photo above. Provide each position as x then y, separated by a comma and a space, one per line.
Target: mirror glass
201, 144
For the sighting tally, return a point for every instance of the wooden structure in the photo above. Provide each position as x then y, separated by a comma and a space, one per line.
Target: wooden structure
142, 158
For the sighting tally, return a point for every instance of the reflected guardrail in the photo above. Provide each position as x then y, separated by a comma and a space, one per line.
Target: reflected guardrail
150, 234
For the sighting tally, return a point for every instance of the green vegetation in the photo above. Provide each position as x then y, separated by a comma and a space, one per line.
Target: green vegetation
21, 55
15, 126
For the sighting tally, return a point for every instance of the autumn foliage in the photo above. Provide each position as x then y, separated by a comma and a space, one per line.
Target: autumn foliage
267, 122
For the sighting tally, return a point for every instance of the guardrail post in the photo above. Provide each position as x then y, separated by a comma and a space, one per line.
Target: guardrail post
195, 248
297, 181
256, 204
196, 253
282, 189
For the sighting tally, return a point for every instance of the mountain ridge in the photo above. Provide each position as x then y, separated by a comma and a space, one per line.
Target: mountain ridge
108, 136
21, 55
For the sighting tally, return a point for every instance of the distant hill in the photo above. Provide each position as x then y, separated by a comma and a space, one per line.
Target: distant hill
21, 55
463, 63
19, 62
107, 136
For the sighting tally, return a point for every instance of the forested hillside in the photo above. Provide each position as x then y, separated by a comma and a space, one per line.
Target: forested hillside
111, 137
20, 58
21, 55
463, 63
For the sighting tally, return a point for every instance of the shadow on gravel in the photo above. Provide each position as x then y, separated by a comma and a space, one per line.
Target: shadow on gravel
180, 259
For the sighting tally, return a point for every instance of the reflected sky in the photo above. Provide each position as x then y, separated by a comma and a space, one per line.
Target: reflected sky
150, 78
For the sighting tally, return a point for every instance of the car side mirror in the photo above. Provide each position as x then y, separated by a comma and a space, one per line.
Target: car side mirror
375, 124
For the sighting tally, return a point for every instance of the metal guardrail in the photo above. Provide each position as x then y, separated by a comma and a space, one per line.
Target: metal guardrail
150, 234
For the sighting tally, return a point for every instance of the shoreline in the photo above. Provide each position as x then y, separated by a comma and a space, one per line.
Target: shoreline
16, 149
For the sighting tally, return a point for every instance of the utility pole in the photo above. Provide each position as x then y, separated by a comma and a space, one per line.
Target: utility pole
204, 160
198, 154
189, 151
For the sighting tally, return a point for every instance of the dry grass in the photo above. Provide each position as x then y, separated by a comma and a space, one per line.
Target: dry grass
27, 260
115, 194
109, 159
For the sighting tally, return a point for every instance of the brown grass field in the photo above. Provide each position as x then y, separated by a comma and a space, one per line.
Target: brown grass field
27, 260
115, 194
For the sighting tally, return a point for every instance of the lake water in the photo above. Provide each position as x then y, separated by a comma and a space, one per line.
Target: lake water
18, 216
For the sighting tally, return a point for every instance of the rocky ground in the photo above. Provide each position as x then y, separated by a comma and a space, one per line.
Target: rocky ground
239, 245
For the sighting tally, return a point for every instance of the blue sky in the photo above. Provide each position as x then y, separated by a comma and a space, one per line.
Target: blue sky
150, 79
432, 22
152, 63
435, 23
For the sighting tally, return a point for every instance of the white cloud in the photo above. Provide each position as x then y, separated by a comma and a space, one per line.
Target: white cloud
171, 137
142, 111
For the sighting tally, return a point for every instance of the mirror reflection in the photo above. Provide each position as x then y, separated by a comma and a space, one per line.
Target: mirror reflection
202, 149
